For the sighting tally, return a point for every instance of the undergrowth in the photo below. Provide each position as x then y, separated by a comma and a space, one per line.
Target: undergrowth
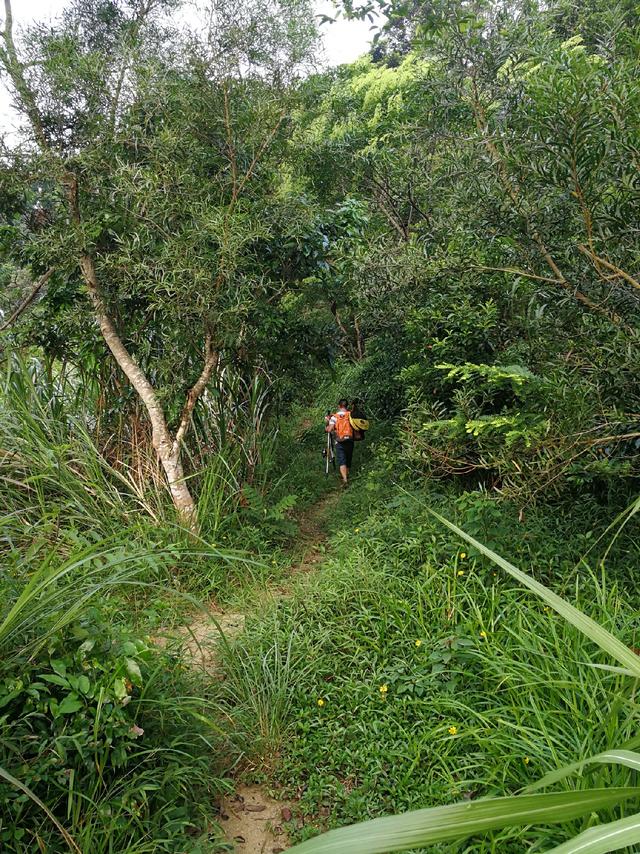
405, 672
416, 674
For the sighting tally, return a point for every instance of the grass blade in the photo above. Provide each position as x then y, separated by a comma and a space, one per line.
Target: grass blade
9, 778
458, 821
607, 837
614, 757
605, 640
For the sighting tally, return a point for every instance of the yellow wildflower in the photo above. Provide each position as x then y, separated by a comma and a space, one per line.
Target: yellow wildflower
463, 555
453, 730
483, 634
418, 642
526, 760
384, 689
321, 702
461, 572
357, 530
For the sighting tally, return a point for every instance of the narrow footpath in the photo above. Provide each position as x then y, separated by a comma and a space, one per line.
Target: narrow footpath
252, 821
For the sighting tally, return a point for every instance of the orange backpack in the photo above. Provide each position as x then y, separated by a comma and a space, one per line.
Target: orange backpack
343, 427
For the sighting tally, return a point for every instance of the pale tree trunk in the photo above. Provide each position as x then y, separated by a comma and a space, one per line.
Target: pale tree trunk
166, 446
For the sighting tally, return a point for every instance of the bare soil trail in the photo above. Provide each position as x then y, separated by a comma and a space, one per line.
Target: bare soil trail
252, 821
205, 629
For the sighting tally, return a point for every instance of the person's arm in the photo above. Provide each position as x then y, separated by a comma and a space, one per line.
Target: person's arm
331, 423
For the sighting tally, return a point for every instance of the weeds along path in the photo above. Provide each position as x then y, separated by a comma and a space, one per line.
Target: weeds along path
312, 535
251, 820
203, 632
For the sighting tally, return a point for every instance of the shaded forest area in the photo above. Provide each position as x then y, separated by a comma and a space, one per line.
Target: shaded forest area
205, 242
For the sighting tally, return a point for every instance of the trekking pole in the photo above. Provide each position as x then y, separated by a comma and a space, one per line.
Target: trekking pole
327, 452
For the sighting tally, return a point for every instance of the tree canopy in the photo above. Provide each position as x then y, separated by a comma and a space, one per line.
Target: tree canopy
207, 238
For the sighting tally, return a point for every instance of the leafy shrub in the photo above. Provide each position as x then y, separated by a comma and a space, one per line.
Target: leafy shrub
84, 726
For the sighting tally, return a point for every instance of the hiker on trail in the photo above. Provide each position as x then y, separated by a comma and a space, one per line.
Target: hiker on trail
340, 425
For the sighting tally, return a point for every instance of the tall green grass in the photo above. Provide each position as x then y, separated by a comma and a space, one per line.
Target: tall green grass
261, 690
107, 741
455, 822
52, 474
423, 675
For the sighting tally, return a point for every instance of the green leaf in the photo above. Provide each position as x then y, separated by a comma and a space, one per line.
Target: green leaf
606, 837
605, 640
615, 757
5, 699
70, 704
58, 667
55, 680
18, 784
458, 821
133, 669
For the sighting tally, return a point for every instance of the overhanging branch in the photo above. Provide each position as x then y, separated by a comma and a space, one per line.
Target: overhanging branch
26, 302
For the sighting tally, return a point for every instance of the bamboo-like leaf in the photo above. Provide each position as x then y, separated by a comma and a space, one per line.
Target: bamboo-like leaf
604, 838
458, 821
609, 757
605, 640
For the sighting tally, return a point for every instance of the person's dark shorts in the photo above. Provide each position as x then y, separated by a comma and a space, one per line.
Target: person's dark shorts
344, 452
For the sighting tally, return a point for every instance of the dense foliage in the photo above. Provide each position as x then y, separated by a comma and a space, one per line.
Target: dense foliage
495, 281
204, 242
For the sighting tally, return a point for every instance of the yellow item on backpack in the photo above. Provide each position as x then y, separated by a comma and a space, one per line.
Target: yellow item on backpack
359, 423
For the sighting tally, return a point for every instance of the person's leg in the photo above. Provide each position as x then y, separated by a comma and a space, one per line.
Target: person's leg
344, 458
343, 461
348, 453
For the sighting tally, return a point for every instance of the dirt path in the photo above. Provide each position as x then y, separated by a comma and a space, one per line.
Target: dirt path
308, 554
312, 536
253, 821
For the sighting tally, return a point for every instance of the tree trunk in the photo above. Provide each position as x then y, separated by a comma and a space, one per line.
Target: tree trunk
180, 494
167, 449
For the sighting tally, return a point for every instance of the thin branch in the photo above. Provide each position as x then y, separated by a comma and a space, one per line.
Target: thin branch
15, 70
359, 338
210, 363
230, 146
390, 211
347, 343
608, 439
513, 192
26, 302
517, 272
265, 144
617, 272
